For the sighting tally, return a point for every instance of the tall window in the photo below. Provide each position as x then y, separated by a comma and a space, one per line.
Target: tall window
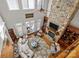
38, 24
39, 4
13, 4
19, 29
31, 24
25, 4
28, 4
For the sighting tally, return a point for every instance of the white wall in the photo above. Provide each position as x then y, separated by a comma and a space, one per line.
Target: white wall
75, 21
16, 16
13, 17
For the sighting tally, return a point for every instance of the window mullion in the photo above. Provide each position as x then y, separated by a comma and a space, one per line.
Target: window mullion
20, 4
28, 4
36, 4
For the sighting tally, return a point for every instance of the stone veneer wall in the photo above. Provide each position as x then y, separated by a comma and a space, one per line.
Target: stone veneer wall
61, 11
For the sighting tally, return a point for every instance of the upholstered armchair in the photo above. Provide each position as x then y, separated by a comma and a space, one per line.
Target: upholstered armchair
24, 50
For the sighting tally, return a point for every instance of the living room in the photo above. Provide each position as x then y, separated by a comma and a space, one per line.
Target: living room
39, 28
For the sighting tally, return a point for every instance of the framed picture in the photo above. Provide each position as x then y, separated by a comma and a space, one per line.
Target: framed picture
29, 15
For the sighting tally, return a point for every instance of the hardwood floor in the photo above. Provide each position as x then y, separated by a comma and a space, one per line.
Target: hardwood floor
74, 53
7, 51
